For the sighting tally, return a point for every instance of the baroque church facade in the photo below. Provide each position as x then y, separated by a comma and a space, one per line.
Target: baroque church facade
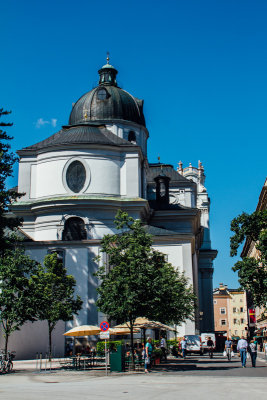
75, 181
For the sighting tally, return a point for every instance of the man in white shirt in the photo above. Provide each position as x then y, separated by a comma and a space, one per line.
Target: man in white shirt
163, 347
242, 346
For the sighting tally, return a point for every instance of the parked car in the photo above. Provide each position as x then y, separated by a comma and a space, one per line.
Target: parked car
193, 344
204, 339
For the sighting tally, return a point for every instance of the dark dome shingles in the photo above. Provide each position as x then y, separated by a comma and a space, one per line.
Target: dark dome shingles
119, 105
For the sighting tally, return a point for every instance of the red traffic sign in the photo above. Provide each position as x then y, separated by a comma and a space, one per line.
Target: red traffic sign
104, 326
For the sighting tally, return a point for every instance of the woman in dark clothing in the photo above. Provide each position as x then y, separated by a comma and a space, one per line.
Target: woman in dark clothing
253, 352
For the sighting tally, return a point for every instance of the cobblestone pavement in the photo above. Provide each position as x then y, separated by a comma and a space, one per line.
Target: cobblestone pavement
193, 378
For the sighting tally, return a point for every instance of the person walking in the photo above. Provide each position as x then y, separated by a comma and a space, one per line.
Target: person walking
253, 352
183, 347
265, 349
228, 348
148, 354
242, 346
210, 345
163, 347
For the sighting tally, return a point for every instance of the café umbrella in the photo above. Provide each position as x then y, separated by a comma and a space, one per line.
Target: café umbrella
83, 330
145, 323
122, 331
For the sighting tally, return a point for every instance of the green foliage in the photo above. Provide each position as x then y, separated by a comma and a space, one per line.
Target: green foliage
16, 296
157, 352
252, 272
172, 342
54, 290
7, 197
140, 283
100, 346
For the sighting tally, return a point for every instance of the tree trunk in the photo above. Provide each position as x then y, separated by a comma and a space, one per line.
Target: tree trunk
132, 344
6, 344
50, 329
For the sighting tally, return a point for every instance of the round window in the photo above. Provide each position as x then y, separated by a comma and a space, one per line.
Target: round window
76, 176
102, 94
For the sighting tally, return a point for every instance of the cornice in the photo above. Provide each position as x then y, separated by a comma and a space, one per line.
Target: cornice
40, 205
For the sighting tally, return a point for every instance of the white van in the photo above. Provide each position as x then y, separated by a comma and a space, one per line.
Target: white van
193, 344
205, 337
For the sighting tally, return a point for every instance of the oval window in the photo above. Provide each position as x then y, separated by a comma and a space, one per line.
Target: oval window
76, 176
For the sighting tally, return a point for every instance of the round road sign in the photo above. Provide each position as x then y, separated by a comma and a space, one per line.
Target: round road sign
104, 326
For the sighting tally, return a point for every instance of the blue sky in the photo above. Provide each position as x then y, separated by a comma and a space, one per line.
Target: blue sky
200, 66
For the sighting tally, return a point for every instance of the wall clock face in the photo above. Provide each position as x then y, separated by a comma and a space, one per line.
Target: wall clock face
76, 176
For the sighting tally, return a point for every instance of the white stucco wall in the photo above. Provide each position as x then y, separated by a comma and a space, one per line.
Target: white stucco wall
111, 173
180, 256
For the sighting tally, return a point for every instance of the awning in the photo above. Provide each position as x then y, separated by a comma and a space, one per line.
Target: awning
259, 331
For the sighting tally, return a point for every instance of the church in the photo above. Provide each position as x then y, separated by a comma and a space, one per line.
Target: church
74, 183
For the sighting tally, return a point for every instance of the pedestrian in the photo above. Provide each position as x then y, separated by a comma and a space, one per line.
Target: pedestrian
163, 347
210, 345
183, 346
228, 348
265, 349
261, 346
148, 354
253, 352
242, 346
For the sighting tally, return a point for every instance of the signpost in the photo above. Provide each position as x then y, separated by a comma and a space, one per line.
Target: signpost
104, 326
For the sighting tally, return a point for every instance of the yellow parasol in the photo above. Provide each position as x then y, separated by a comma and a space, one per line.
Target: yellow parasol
83, 330
122, 331
145, 323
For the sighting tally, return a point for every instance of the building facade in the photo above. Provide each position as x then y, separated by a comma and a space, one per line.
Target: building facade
230, 311
250, 250
75, 181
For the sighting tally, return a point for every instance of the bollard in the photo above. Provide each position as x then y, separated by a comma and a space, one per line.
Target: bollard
41, 356
45, 361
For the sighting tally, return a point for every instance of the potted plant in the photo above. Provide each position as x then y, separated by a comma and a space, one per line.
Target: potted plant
157, 353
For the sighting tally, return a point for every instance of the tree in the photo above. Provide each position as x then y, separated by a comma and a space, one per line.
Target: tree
139, 282
7, 197
252, 271
16, 297
54, 290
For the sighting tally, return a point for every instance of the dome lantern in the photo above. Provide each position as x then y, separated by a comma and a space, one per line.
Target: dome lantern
107, 74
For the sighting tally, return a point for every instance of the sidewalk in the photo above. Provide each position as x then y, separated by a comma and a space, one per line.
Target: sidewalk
32, 365
261, 355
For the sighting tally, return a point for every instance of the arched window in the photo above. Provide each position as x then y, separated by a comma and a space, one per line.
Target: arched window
74, 229
132, 137
162, 189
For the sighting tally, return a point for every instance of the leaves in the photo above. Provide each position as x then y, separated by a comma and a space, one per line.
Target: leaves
16, 295
7, 197
139, 281
252, 271
55, 300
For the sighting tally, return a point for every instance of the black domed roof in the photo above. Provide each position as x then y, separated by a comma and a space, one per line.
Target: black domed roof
107, 102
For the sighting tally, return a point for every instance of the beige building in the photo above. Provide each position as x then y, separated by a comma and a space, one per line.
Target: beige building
238, 315
230, 311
